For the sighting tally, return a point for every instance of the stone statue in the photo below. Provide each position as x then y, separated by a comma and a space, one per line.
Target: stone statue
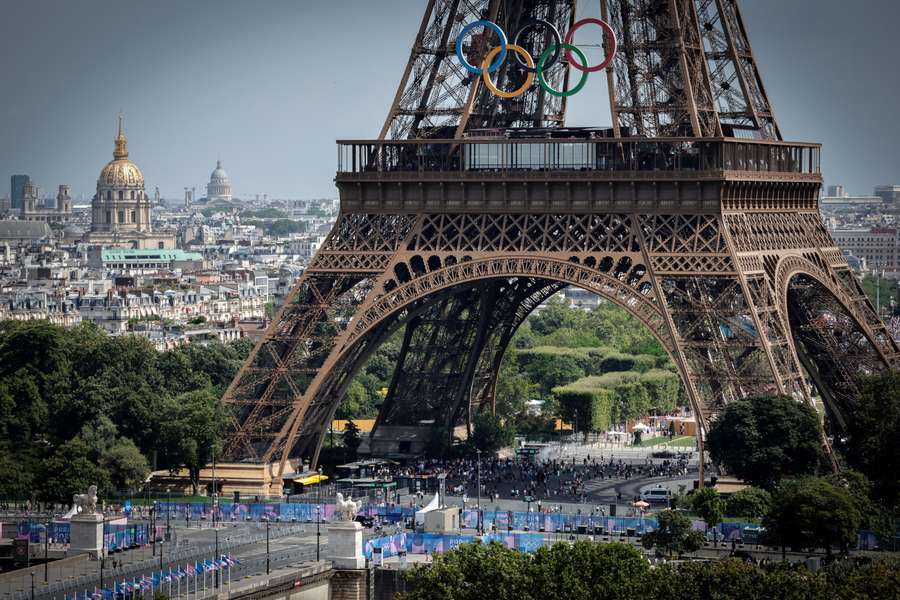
86, 502
346, 510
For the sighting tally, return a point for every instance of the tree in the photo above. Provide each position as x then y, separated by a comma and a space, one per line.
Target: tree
473, 572
351, 439
810, 513
765, 438
750, 503
707, 503
490, 433
674, 535
586, 571
871, 446
192, 433
514, 389
126, 466
71, 469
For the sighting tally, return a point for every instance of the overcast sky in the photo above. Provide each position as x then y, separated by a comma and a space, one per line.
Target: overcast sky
268, 85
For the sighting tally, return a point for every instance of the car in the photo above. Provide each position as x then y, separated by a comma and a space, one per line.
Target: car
657, 495
367, 522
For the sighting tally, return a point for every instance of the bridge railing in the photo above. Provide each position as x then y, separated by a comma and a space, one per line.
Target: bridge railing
378, 158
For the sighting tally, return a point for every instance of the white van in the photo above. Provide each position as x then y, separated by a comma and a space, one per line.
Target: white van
656, 495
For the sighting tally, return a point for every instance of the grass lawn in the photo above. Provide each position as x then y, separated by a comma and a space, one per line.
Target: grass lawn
687, 441
654, 441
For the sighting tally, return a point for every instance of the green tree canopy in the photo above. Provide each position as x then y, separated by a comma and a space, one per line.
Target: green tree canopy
673, 536
765, 438
872, 445
812, 512
749, 503
490, 433
707, 503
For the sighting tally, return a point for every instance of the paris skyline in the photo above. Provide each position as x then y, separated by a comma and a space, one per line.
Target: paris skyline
267, 87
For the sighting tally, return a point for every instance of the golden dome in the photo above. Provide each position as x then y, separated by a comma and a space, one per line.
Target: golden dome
120, 172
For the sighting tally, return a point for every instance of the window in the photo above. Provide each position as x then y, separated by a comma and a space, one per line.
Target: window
121, 195
132, 194
162, 245
121, 216
133, 215
109, 194
108, 216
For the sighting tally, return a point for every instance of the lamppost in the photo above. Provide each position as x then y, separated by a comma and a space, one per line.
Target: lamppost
478, 458
153, 527
32, 585
267, 545
215, 490
168, 514
216, 572
46, 548
318, 511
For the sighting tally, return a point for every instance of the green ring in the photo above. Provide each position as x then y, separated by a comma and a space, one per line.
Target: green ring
539, 67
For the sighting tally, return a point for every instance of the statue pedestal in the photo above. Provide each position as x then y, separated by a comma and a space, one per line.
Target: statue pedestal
86, 534
345, 545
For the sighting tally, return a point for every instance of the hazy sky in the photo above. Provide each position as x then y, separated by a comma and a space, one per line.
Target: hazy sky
268, 85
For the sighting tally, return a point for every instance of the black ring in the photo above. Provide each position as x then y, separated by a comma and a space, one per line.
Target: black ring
534, 24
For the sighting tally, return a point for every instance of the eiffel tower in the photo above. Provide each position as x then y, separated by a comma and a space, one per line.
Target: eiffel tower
691, 213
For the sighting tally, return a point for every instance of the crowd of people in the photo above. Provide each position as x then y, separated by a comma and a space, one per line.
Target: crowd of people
532, 481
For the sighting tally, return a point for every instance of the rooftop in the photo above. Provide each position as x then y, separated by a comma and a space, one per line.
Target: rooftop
127, 254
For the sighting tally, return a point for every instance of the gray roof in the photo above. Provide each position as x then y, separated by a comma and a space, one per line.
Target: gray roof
24, 230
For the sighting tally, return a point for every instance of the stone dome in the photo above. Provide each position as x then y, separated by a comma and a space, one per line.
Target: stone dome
219, 175
219, 187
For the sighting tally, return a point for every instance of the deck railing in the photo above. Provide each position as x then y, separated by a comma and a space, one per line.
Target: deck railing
562, 154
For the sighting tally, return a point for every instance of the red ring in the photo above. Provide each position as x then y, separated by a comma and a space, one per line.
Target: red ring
610, 34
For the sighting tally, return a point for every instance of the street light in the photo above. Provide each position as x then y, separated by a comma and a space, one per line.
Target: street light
169, 513
318, 511
478, 455
216, 572
267, 545
46, 548
153, 527
32, 585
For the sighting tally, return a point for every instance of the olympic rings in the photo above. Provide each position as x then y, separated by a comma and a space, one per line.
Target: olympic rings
534, 24
547, 59
519, 51
540, 70
610, 54
493, 27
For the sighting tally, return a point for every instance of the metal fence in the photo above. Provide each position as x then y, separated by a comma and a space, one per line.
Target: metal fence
181, 555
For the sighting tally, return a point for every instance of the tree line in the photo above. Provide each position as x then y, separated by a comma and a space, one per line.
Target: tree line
80, 407
589, 571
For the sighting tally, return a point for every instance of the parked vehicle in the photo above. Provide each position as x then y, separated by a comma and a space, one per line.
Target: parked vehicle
657, 495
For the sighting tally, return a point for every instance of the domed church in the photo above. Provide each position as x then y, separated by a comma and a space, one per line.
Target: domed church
120, 210
219, 187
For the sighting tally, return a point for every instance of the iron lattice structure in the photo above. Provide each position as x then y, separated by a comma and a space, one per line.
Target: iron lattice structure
691, 214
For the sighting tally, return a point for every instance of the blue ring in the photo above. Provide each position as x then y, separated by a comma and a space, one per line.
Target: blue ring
503, 42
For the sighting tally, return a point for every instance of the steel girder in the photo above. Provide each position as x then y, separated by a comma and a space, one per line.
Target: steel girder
711, 288
437, 97
447, 364
685, 68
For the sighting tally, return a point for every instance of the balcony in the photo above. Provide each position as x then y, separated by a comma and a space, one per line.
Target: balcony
501, 174
574, 158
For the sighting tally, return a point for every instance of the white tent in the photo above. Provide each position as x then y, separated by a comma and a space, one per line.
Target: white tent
640, 427
433, 505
